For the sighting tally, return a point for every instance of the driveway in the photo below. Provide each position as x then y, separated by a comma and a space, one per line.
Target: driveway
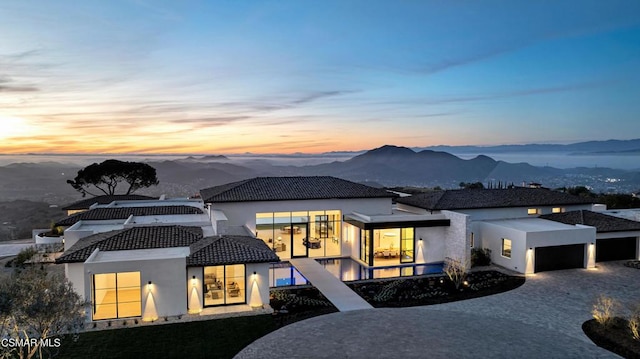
541, 319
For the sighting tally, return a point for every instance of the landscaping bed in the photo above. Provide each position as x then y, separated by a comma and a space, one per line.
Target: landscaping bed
408, 292
616, 337
295, 304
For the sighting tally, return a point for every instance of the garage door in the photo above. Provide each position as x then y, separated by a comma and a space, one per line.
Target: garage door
559, 257
614, 249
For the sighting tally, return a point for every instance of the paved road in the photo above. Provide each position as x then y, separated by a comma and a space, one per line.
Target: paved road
541, 319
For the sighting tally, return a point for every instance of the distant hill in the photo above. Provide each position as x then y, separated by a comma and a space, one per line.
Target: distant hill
387, 166
580, 147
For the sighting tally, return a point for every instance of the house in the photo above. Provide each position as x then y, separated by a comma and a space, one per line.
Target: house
85, 204
328, 217
507, 222
150, 258
616, 238
154, 258
165, 270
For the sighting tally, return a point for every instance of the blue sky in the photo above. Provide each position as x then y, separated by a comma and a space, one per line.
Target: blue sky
303, 76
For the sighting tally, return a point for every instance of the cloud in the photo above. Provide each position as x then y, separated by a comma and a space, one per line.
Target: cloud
211, 121
318, 95
8, 88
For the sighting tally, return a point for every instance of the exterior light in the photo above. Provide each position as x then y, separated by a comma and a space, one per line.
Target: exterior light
530, 248
420, 239
149, 283
254, 273
592, 243
465, 283
193, 277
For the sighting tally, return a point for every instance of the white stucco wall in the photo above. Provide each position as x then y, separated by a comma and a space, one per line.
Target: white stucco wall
431, 248
522, 260
244, 213
168, 277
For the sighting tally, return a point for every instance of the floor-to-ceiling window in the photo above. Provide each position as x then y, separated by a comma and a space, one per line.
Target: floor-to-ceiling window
407, 242
224, 285
390, 246
301, 233
116, 295
365, 245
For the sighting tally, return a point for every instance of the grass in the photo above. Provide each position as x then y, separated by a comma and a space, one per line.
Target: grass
222, 338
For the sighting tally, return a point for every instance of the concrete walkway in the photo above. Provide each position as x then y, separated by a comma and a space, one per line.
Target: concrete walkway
331, 287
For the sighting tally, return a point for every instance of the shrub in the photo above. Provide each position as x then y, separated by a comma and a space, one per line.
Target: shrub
24, 255
634, 324
480, 257
603, 310
456, 270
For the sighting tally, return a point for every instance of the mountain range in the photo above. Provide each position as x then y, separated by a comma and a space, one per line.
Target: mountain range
385, 166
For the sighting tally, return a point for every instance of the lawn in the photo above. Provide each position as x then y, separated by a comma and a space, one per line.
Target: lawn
221, 338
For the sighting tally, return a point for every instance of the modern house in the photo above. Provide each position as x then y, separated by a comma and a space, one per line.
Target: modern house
527, 229
152, 258
328, 217
156, 258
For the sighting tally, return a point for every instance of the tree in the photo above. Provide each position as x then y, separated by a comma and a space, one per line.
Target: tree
36, 306
469, 185
106, 177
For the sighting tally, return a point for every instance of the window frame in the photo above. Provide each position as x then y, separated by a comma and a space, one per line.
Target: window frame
503, 251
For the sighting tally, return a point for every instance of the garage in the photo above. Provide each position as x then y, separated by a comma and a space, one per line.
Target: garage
559, 257
615, 249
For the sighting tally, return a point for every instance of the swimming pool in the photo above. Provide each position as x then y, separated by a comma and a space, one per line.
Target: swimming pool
346, 269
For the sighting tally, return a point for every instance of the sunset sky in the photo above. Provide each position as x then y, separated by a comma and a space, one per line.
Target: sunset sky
144, 76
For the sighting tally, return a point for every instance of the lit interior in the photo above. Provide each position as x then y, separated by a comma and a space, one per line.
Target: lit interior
224, 285
301, 234
116, 295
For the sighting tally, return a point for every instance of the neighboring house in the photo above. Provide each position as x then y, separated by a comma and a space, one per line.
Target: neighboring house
328, 217
85, 204
506, 222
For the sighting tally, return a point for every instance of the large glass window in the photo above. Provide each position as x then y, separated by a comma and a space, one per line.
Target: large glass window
406, 245
506, 248
116, 295
365, 244
301, 233
224, 285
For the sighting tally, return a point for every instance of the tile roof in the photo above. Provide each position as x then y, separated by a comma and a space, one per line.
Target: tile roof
229, 249
602, 222
88, 202
290, 188
132, 238
104, 213
491, 198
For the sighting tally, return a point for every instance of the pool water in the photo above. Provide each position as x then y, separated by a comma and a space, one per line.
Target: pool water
346, 269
